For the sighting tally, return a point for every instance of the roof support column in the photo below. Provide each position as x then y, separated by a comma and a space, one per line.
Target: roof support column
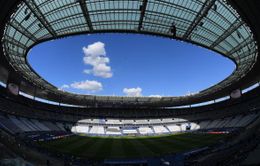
13, 83
143, 9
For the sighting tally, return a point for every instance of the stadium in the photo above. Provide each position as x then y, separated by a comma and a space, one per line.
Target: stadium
41, 124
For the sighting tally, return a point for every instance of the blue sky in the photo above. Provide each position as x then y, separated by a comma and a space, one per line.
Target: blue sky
128, 65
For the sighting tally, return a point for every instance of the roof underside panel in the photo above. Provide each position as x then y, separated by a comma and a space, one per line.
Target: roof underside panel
212, 24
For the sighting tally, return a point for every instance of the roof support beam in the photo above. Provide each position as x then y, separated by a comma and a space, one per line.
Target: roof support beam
240, 46
16, 25
201, 14
233, 27
85, 11
38, 14
15, 53
246, 53
14, 42
143, 9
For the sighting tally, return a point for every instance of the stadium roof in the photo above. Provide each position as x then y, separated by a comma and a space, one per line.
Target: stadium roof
213, 24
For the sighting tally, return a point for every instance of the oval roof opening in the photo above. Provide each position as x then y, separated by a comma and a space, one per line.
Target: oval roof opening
128, 65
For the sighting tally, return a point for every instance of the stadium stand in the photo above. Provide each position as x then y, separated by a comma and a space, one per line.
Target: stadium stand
145, 130
253, 157
45, 128
20, 125
120, 127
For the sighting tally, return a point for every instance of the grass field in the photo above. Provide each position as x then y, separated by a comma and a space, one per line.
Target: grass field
129, 147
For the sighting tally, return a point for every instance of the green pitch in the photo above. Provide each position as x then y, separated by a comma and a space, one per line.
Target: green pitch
129, 147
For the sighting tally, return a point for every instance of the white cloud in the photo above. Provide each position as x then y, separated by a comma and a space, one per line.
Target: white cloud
95, 49
158, 96
64, 86
87, 71
95, 55
87, 85
133, 92
102, 70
